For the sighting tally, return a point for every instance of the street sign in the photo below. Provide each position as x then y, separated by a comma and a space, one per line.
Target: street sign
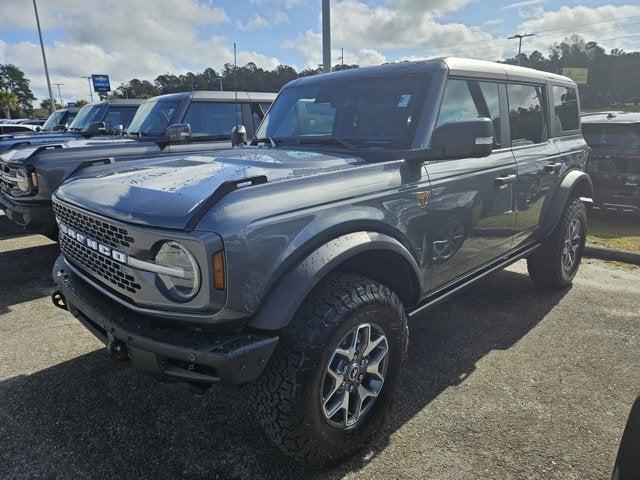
101, 83
578, 75
71, 104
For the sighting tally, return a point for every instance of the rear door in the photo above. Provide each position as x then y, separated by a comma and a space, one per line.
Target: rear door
471, 213
537, 157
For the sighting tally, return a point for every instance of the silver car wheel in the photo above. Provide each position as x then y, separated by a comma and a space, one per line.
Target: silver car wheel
354, 375
572, 242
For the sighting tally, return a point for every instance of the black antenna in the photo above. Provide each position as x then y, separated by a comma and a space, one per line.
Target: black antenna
235, 77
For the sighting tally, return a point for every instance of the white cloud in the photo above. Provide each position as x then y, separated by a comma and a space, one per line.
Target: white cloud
397, 26
525, 3
257, 21
554, 25
275, 4
141, 39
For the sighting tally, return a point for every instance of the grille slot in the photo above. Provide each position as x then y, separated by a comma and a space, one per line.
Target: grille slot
97, 264
103, 232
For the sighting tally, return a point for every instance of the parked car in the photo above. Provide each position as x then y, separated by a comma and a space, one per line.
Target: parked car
14, 128
368, 196
614, 138
167, 124
94, 119
60, 120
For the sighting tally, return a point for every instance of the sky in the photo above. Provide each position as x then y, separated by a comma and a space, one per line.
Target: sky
146, 38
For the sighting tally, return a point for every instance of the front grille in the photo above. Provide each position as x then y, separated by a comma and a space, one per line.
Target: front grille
99, 230
7, 177
97, 264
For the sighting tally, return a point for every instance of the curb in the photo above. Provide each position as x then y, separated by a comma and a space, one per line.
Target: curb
625, 256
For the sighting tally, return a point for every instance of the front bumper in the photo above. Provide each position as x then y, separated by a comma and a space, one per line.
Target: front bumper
176, 353
36, 217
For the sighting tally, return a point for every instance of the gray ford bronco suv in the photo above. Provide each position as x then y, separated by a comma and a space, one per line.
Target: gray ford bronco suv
166, 124
368, 196
93, 119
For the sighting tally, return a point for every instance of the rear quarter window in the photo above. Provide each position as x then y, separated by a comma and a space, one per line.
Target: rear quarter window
565, 109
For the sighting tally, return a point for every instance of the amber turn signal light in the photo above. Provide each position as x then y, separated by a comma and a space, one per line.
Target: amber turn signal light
218, 271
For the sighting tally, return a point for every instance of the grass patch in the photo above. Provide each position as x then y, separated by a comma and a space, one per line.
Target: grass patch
614, 231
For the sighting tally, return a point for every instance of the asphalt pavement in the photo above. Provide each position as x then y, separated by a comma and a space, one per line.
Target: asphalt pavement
504, 381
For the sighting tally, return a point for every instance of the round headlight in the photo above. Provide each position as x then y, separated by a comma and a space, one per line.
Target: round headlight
22, 180
184, 282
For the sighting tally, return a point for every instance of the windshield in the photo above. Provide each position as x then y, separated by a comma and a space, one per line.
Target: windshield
620, 135
87, 115
366, 112
54, 120
153, 117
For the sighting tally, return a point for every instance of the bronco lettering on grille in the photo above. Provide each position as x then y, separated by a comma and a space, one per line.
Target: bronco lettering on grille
81, 238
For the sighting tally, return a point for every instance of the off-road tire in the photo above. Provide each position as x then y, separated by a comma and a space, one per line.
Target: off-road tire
545, 264
289, 407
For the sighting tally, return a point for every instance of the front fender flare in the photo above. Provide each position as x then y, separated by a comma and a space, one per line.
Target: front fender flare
292, 288
575, 179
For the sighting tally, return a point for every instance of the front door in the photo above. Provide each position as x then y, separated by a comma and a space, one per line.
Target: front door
471, 217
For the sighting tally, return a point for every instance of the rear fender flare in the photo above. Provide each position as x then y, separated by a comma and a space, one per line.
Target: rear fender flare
292, 288
576, 183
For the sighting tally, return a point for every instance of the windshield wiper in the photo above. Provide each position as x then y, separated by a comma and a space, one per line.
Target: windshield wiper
329, 140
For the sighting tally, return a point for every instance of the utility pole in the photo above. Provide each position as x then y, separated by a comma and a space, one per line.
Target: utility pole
326, 36
59, 92
520, 36
90, 91
220, 80
44, 58
342, 57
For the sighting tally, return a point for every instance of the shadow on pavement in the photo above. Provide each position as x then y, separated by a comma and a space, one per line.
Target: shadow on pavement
93, 418
8, 229
30, 276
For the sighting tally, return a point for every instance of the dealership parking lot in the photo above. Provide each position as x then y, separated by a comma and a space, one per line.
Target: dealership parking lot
502, 382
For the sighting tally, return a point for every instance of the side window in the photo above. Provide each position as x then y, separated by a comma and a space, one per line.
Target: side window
119, 116
526, 114
213, 119
565, 109
257, 114
470, 99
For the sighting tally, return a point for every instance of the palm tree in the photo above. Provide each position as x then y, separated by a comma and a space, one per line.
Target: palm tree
8, 102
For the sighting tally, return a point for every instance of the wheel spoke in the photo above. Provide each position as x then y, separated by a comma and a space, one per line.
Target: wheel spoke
342, 404
372, 345
373, 367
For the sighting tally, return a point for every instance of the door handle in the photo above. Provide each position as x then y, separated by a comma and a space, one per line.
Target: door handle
552, 167
500, 181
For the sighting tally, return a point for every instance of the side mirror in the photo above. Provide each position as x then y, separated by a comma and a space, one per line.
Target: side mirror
468, 139
38, 129
238, 135
118, 130
95, 128
178, 132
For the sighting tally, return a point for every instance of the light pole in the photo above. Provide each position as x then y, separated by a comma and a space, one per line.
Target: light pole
90, 91
44, 59
520, 36
326, 36
59, 92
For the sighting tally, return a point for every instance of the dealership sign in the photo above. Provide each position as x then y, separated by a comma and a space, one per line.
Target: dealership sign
101, 83
578, 75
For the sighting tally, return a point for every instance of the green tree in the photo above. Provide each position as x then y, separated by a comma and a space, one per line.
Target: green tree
8, 102
46, 105
13, 80
81, 103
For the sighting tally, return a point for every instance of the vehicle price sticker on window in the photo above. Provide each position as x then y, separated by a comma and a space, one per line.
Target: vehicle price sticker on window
404, 101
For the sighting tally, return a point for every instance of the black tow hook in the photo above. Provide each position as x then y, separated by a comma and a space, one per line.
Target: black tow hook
58, 300
118, 350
